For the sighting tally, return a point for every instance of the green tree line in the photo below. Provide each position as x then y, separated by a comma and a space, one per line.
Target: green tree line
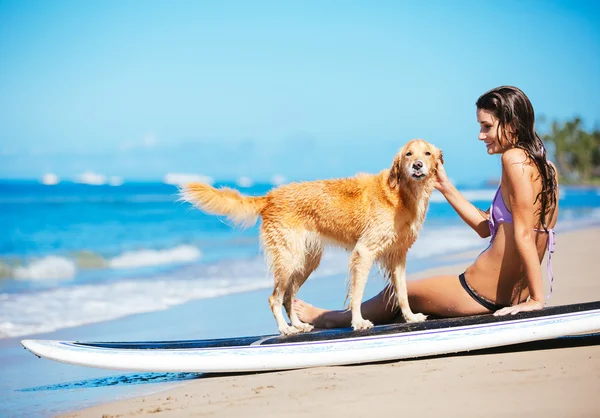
576, 151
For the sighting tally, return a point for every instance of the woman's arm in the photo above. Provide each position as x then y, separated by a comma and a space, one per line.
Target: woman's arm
521, 195
474, 217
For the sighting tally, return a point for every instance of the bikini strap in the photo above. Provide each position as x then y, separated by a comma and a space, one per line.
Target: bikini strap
551, 246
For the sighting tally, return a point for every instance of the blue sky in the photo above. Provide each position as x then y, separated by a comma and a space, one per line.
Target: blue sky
305, 89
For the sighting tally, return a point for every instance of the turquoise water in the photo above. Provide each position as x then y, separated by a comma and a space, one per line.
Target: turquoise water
75, 254
130, 262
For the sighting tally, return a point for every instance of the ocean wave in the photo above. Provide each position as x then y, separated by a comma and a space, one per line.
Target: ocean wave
483, 195
144, 258
63, 307
54, 267
91, 178
572, 219
33, 313
46, 268
49, 310
141, 198
439, 241
50, 179
179, 179
475, 195
244, 182
278, 180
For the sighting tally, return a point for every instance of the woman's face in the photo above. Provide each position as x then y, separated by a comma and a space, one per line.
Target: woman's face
489, 132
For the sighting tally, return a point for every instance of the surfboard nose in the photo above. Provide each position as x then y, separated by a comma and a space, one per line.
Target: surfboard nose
31, 345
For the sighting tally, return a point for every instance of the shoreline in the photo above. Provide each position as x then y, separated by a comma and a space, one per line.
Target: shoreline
562, 382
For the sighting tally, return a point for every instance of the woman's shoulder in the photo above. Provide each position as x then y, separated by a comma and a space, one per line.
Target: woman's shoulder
516, 162
514, 156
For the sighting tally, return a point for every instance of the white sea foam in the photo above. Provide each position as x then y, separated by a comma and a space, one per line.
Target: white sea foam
481, 195
142, 198
50, 179
440, 241
245, 182
30, 313
180, 179
572, 219
46, 268
91, 178
144, 258
62, 268
475, 195
278, 180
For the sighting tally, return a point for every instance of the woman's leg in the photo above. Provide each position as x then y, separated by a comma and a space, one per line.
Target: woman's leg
379, 310
439, 295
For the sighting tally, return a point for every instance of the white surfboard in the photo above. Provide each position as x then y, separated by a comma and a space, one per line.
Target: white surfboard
327, 347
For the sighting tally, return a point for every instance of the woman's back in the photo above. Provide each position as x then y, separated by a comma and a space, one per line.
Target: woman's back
498, 272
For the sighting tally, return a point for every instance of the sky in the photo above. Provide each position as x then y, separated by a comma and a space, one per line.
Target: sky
305, 89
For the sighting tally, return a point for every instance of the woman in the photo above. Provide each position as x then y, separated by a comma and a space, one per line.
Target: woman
506, 278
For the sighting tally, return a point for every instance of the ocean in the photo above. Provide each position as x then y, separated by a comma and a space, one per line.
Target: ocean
75, 254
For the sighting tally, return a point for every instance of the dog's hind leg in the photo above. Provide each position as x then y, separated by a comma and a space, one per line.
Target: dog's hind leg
279, 257
283, 277
312, 259
361, 261
399, 283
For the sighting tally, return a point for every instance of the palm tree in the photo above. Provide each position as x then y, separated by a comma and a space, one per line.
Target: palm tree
577, 152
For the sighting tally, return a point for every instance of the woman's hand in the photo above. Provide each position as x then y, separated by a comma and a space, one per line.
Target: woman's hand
442, 182
530, 305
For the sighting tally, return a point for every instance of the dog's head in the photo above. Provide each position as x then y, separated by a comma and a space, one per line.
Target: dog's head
416, 161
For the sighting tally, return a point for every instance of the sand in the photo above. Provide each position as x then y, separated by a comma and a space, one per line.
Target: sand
557, 382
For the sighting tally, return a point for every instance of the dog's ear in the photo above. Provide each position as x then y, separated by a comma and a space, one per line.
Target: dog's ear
441, 158
395, 173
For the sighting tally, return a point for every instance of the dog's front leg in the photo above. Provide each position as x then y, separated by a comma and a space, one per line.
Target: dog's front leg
399, 282
361, 262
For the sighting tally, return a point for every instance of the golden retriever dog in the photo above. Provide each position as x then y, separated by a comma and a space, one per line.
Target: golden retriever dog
377, 217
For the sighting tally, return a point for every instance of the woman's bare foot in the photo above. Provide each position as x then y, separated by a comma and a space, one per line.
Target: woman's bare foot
321, 318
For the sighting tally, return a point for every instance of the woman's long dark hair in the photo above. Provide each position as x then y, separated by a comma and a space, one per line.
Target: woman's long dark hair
515, 114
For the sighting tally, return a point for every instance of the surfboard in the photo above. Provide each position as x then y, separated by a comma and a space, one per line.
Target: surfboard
326, 347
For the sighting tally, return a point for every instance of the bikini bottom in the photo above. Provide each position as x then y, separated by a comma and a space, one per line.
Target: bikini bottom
486, 303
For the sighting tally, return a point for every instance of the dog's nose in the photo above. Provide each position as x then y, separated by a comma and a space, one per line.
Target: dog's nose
417, 165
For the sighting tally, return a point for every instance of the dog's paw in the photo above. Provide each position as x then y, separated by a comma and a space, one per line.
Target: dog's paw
362, 324
303, 327
288, 330
415, 317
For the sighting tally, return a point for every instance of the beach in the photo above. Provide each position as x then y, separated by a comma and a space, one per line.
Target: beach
128, 263
110, 110
555, 382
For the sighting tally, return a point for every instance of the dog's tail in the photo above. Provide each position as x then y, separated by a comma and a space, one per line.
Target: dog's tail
242, 210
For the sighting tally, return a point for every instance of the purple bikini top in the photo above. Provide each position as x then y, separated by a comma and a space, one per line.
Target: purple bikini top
499, 213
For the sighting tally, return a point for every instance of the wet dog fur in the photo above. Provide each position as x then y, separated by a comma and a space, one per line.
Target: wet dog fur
377, 217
